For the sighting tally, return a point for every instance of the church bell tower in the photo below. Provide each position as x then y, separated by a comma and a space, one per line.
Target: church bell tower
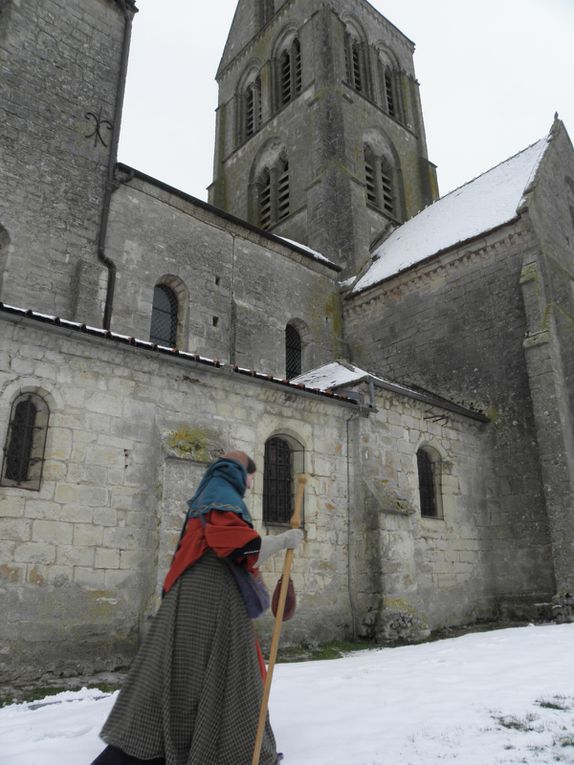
320, 134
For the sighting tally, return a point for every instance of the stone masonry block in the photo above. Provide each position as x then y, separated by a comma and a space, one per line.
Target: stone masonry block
89, 577
107, 558
89, 496
87, 535
57, 532
72, 555
34, 552
12, 507
17, 530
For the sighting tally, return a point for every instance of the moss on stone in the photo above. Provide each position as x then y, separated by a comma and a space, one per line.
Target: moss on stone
191, 443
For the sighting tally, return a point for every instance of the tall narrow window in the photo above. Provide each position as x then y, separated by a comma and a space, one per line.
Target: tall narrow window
283, 190
164, 317
355, 62
25, 442
428, 462
290, 73
370, 177
265, 217
387, 191
274, 193
293, 352
277, 482
251, 109
390, 94
380, 183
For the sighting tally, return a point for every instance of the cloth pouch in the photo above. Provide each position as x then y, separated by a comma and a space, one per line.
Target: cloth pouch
252, 588
290, 603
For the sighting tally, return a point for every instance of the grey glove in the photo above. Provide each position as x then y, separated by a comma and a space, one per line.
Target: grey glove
288, 540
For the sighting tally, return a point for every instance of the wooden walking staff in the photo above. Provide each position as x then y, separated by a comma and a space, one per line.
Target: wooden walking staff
295, 523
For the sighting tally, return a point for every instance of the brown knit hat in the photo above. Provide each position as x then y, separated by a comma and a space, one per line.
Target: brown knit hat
241, 457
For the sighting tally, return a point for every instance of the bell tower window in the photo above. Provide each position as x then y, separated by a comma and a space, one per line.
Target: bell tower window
274, 194
290, 76
355, 60
250, 106
380, 183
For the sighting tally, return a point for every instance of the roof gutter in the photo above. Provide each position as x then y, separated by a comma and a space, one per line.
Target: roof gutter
128, 9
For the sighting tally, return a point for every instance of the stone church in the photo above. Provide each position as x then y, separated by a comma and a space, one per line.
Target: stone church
327, 312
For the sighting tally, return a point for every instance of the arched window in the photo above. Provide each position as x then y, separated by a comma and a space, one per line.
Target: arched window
164, 316
284, 458
274, 193
250, 109
26, 442
289, 75
429, 472
380, 183
293, 352
355, 60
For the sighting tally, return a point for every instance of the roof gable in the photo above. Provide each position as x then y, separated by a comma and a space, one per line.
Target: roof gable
481, 205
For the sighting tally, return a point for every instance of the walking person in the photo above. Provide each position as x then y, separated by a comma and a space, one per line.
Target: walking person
193, 693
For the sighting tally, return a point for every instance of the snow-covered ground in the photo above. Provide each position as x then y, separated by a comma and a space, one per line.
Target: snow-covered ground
483, 699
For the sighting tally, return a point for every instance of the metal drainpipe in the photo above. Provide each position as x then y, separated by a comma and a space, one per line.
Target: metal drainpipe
112, 159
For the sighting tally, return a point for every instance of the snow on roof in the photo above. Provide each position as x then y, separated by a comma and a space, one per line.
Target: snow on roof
331, 375
313, 253
340, 373
479, 206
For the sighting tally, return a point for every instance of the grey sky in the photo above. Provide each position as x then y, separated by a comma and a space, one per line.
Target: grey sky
492, 75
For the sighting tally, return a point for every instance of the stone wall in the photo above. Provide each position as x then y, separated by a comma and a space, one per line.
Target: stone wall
129, 434
548, 291
59, 73
237, 289
427, 572
456, 326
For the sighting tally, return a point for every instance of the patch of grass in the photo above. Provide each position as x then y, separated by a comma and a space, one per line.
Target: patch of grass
557, 702
525, 725
335, 649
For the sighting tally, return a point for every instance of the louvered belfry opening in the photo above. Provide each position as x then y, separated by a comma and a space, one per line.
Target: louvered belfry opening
265, 216
283, 190
285, 85
274, 194
25, 442
370, 177
388, 198
293, 352
427, 484
277, 482
252, 109
164, 317
290, 73
390, 95
249, 111
353, 58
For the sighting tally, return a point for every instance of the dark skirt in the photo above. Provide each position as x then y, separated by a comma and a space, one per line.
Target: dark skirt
193, 693
113, 756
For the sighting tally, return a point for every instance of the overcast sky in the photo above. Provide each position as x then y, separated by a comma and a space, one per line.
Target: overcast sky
492, 75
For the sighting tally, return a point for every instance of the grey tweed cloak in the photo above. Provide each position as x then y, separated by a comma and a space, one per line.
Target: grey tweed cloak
193, 692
